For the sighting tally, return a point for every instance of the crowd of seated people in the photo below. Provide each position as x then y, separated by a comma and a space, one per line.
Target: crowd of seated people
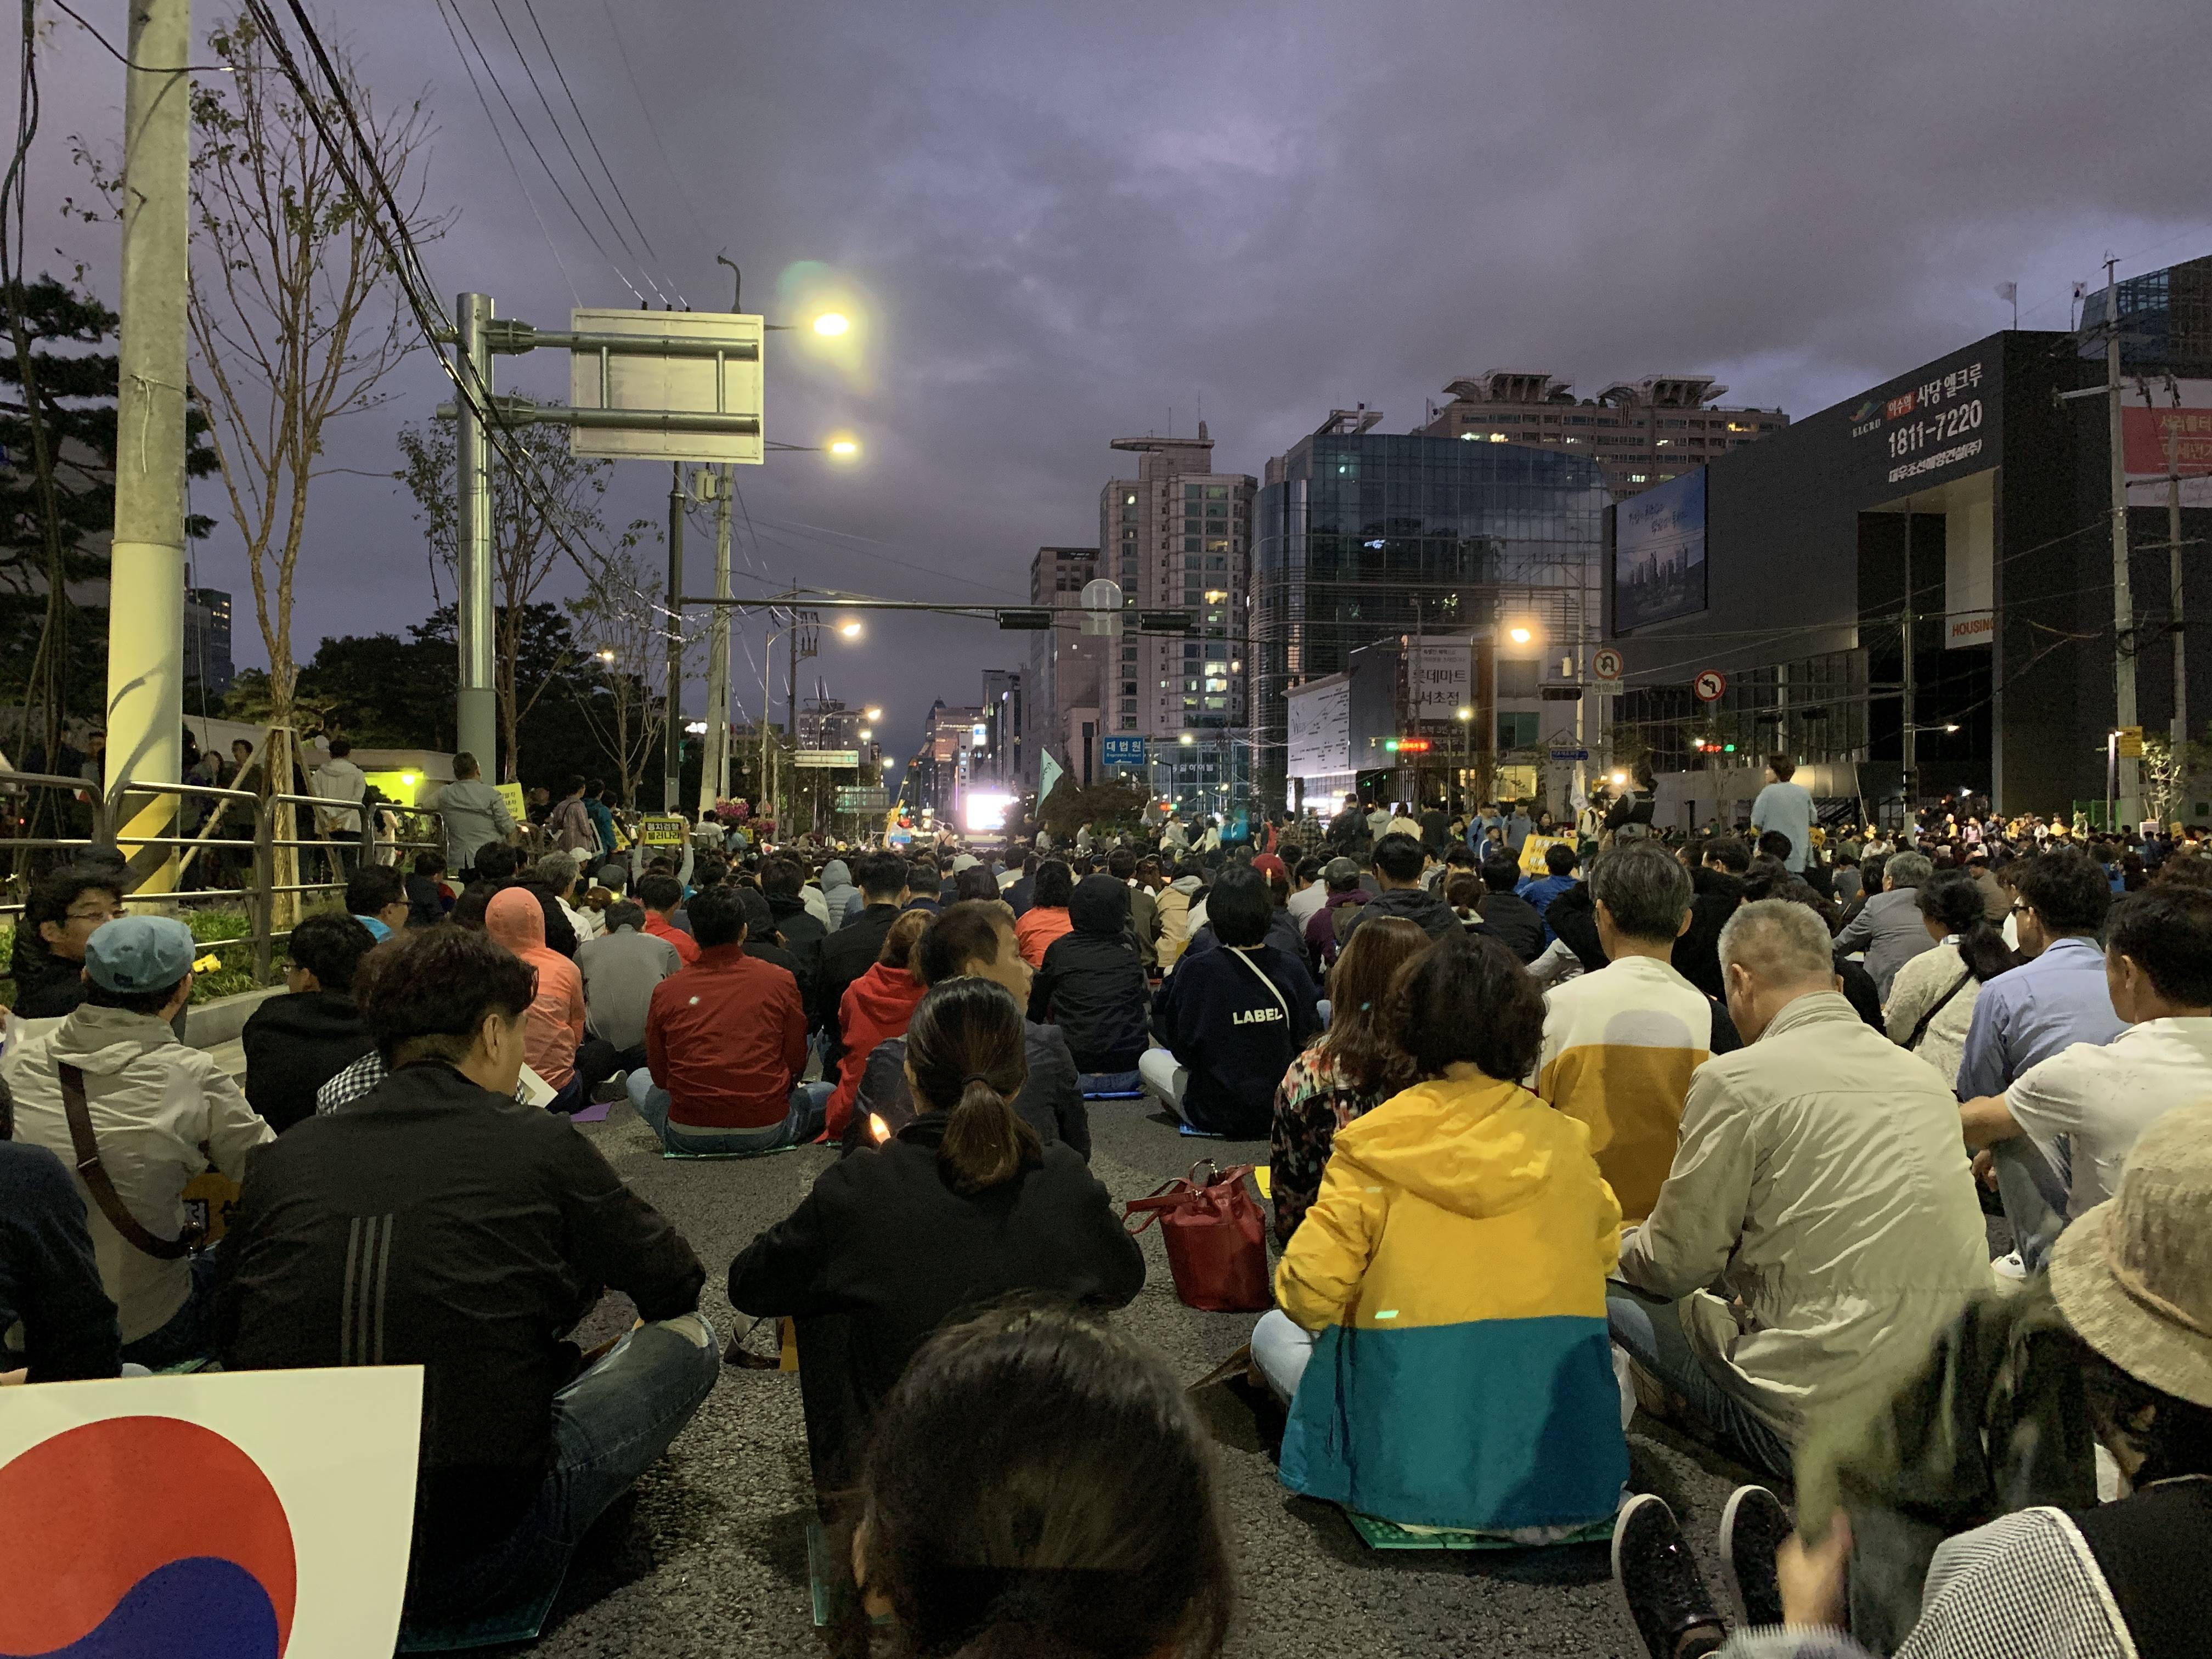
1724, 1168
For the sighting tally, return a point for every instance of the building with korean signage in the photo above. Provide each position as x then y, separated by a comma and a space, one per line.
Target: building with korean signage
1961, 510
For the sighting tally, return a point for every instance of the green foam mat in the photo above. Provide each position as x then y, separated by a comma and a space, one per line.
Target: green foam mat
1380, 1535
771, 1153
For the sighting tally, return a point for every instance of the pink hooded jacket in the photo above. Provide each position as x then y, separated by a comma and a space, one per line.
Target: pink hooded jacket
556, 1027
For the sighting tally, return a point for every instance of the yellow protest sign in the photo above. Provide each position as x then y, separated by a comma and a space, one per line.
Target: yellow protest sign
512, 795
660, 829
1532, 854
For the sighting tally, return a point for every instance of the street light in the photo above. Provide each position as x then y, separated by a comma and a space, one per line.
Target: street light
605, 655
1520, 633
1188, 737
832, 323
844, 448
867, 734
851, 630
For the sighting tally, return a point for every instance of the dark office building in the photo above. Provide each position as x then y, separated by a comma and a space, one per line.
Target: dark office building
1967, 484
1366, 536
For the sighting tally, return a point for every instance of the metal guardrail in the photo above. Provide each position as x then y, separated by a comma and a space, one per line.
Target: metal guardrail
106, 820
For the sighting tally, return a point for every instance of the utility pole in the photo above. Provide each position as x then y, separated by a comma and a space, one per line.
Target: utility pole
146, 584
671, 785
715, 761
767, 802
477, 705
2130, 808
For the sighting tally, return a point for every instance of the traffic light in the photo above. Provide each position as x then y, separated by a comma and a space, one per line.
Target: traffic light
1407, 745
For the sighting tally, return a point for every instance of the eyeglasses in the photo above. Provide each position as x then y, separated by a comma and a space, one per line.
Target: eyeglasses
102, 912
2019, 906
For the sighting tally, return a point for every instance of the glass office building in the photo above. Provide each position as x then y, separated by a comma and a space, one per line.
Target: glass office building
1363, 537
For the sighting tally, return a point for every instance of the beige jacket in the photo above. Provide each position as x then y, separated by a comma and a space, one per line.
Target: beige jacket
154, 1104
1820, 1224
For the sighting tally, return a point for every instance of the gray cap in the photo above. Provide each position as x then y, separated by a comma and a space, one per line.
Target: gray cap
1340, 869
139, 953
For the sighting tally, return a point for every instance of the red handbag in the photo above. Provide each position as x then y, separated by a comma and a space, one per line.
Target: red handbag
1216, 1238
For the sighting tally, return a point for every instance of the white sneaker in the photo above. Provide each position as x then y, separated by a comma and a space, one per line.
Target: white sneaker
2009, 1265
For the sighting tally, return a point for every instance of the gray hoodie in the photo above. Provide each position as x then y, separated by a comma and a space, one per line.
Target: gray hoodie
837, 890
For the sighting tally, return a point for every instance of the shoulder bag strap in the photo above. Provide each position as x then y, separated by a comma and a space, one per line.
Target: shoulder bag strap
93, 1174
1936, 1008
1281, 1001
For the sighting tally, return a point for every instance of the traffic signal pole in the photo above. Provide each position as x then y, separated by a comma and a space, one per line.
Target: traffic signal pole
146, 583
714, 763
671, 783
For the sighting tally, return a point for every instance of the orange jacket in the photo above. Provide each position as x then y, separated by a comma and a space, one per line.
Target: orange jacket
555, 1026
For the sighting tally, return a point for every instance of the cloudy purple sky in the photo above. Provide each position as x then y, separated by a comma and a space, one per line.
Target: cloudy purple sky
1060, 222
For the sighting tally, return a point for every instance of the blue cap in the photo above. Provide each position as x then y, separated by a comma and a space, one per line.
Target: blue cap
139, 953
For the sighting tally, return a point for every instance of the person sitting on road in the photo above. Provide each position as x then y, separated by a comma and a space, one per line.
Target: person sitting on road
429, 898
1230, 1020
800, 930
1398, 866
1888, 929
156, 1112
1559, 861
1046, 918
559, 1052
659, 894
562, 878
376, 898
725, 1046
295, 1044
1176, 900
877, 1004
1343, 1074
1621, 1044
1818, 1227
1326, 929
2127, 1327
1004, 1478
1458, 1251
487, 1229
1092, 983
1509, 918
57, 1321
976, 940
1931, 1001
964, 1205
2069, 1120
620, 968
853, 949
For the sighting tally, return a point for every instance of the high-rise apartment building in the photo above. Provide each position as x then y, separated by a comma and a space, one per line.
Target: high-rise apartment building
1641, 433
207, 640
1002, 760
1179, 536
1064, 664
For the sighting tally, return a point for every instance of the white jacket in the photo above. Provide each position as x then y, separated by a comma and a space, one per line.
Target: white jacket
154, 1104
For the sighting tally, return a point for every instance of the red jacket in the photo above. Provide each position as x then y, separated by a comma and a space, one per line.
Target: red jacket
877, 1004
726, 1038
686, 946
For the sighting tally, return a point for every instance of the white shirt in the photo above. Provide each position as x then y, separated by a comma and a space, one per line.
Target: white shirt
2086, 1104
1306, 901
339, 779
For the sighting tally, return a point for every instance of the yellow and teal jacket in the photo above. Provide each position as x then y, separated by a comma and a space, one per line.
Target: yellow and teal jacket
1455, 1267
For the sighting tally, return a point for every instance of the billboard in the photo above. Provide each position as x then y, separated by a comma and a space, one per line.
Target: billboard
1942, 422
1659, 553
1320, 727
1440, 677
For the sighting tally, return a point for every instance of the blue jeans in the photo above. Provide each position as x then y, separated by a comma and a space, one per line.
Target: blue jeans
186, 1335
609, 1426
800, 1124
2033, 1189
1651, 1330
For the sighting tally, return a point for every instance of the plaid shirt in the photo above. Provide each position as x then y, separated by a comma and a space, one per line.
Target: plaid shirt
360, 1080
2024, 1587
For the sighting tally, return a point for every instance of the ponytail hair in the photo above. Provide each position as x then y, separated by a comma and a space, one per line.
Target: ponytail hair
898, 945
1953, 899
966, 1047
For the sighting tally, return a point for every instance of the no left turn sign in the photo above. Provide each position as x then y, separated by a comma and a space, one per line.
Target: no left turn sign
1708, 685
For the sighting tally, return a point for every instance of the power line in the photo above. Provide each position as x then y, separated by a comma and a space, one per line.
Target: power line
706, 242
515, 115
513, 166
560, 132
591, 139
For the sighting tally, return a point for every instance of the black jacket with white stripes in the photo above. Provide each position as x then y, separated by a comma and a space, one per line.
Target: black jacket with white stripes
434, 1223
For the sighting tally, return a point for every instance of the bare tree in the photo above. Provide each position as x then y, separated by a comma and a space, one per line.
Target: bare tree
542, 496
296, 313
623, 623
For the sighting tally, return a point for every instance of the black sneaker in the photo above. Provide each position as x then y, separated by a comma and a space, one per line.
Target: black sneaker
1753, 1528
1665, 1594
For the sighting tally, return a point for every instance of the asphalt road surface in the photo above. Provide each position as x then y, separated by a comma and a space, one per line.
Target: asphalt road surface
709, 1555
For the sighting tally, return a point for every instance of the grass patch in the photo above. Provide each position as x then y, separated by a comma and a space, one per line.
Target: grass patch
222, 931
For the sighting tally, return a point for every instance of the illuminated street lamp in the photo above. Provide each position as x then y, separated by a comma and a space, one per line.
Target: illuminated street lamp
604, 655
844, 448
1520, 633
832, 323
851, 630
